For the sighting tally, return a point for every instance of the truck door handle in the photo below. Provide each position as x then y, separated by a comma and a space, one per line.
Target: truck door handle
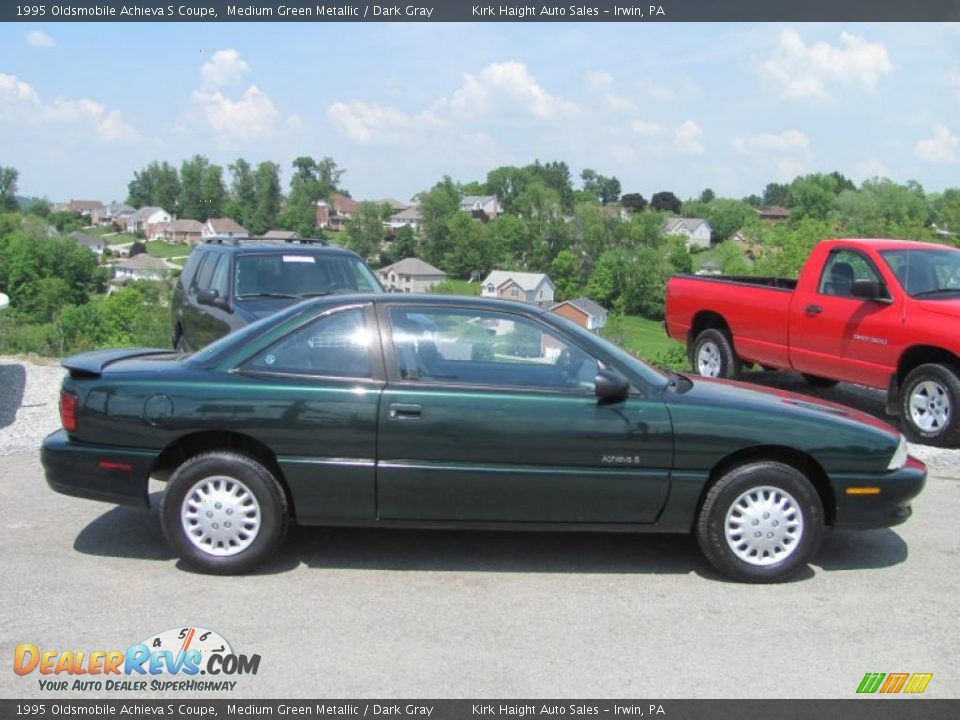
404, 411
813, 309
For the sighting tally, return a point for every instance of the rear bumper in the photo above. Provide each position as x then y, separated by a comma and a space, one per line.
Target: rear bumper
890, 507
97, 472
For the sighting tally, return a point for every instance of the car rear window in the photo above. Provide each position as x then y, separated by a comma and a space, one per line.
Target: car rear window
293, 273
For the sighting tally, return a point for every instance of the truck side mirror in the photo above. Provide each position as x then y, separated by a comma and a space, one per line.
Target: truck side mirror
866, 289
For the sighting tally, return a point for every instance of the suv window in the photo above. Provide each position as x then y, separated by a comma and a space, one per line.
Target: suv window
221, 278
478, 347
206, 271
336, 345
293, 273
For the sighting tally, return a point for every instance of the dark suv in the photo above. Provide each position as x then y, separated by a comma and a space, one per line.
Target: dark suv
228, 283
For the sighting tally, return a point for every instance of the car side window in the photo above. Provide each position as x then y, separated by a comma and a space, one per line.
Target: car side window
480, 347
205, 274
336, 345
840, 271
220, 280
189, 270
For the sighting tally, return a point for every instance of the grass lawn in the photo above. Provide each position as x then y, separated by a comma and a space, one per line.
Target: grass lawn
162, 249
457, 287
120, 239
640, 336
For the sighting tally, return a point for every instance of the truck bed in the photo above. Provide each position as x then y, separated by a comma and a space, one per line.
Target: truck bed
774, 283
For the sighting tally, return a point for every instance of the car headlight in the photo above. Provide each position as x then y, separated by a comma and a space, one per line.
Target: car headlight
899, 458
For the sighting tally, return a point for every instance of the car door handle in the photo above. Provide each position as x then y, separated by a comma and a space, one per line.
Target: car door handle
813, 309
404, 411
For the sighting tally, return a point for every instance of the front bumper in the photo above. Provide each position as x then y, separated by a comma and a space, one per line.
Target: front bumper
891, 506
97, 472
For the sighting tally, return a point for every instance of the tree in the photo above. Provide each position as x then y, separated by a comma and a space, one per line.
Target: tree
470, 249
267, 198
946, 210
437, 207
882, 208
364, 233
213, 192
404, 244
605, 189
727, 216
707, 196
243, 193
666, 201
311, 182
192, 203
8, 189
775, 194
157, 185
565, 273
634, 202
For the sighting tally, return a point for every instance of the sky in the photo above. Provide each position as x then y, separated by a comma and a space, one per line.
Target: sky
677, 107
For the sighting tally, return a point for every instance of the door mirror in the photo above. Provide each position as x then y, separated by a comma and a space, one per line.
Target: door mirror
611, 386
211, 298
866, 289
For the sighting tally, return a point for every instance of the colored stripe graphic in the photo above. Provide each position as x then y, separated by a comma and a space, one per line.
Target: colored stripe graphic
894, 682
918, 682
870, 682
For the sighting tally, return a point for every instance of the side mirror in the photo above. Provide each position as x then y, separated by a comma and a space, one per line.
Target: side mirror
866, 289
611, 386
211, 298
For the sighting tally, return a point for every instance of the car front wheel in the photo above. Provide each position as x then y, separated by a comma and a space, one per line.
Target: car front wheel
760, 522
929, 401
224, 512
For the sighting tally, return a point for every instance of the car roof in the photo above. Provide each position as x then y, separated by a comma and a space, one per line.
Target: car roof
255, 248
428, 299
890, 244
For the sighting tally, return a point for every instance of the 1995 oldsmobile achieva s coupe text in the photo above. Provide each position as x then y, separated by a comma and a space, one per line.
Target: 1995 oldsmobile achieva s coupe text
432, 411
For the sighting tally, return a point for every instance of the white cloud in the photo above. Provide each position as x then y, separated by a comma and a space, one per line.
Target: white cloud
368, 123
622, 153
20, 103
686, 138
599, 80
252, 116
943, 147
790, 167
224, 68
872, 168
40, 39
294, 121
786, 141
811, 71
646, 128
506, 86
618, 103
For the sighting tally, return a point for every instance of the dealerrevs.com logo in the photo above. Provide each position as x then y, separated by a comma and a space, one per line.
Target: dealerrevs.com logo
894, 683
171, 660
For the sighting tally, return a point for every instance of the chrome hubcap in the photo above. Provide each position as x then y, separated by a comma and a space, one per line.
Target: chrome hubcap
764, 526
708, 360
220, 516
930, 406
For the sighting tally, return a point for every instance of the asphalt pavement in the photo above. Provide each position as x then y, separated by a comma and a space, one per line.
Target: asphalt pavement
380, 613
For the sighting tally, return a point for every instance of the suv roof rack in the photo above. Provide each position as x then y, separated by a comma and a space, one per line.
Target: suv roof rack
220, 240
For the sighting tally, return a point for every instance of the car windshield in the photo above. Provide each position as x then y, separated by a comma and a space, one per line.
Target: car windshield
292, 274
926, 273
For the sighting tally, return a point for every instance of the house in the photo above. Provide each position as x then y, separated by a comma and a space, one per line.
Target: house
411, 216
395, 204
773, 214
411, 275
521, 286
331, 214
87, 208
285, 235
482, 207
584, 312
697, 230
92, 243
140, 267
149, 220
189, 232
224, 227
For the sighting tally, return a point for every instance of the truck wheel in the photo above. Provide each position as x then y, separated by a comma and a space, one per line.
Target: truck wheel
760, 522
224, 513
712, 355
929, 405
819, 382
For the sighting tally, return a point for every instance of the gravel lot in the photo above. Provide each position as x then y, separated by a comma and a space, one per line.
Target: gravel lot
29, 391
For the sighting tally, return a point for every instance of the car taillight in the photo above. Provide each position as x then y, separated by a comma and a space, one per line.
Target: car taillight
68, 410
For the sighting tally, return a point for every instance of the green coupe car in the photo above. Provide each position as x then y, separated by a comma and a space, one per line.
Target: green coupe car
433, 411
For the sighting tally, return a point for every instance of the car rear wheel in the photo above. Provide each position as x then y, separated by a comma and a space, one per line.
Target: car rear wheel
712, 355
224, 512
819, 382
760, 522
929, 405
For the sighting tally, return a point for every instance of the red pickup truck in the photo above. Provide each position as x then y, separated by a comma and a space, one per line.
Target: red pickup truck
881, 313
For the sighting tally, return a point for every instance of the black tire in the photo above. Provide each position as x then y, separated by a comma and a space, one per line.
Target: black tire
819, 382
244, 471
711, 341
923, 426
797, 548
